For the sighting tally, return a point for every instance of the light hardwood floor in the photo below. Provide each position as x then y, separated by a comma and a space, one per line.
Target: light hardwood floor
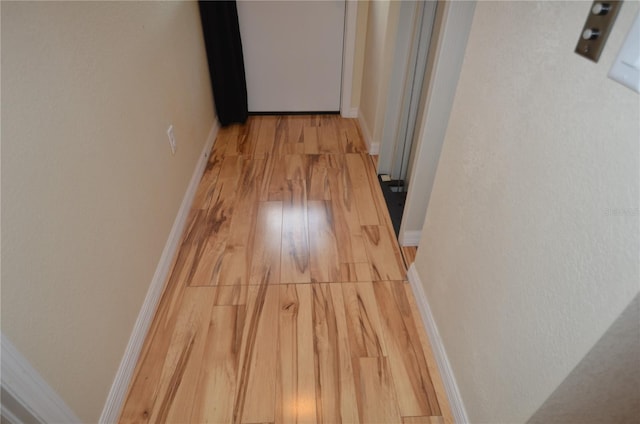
409, 255
287, 302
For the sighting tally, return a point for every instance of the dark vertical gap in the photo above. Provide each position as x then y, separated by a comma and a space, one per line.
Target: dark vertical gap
394, 196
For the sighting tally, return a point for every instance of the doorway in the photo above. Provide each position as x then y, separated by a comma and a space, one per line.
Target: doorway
416, 21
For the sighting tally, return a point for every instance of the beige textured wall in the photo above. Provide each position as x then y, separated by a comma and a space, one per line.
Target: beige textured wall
378, 60
90, 188
358, 59
529, 250
605, 386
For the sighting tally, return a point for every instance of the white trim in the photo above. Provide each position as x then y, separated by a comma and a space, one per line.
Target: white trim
348, 55
27, 387
439, 351
410, 238
118, 391
372, 147
350, 113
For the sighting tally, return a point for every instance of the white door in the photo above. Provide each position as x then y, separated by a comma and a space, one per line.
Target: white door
292, 54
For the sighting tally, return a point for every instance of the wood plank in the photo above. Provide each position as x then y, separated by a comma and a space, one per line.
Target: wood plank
294, 140
318, 177
173, 391
362, 191
295, 239
384, 257
374, 159
355, 272
335, 384
324, 262
277, 177
230, 295
232, 145
434, 372
409, 255
266, 136
216, 387
265, 263
416, 395
363, 320
352, 139
248, 136
310, 135
295, 392
255, 397
295, 167
422, 420
236, 260
351, 246
328, 136
376, 394
209, 236
378, 198
143, 390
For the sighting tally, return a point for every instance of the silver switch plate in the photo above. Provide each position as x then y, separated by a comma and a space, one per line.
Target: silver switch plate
598, 26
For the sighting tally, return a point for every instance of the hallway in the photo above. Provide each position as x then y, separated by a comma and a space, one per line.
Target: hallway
287, 301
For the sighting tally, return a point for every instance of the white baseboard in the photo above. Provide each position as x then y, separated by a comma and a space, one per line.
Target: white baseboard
28, 393
349, 112
372, 146
410, 238
115, 399
448, 379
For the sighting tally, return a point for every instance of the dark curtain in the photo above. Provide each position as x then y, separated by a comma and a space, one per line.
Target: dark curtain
226, 63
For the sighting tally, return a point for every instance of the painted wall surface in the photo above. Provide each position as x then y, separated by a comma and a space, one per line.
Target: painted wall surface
378, 60
90, 187
530, 247
358, 59
605, 386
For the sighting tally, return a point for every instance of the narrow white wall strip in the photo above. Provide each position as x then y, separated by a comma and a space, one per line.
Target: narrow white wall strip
410, 238
120, 385
27, 387
348, 54
372, 147
448, 379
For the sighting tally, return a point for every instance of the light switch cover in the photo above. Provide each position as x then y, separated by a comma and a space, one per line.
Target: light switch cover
626, 67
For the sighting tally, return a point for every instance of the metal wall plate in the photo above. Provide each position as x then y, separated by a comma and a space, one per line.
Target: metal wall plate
602, 15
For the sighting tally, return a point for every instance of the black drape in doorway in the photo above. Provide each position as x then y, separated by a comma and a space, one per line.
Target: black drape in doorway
226, 63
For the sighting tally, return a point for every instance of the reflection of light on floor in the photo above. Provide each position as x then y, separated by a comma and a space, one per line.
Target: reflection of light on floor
297, 218
304, 408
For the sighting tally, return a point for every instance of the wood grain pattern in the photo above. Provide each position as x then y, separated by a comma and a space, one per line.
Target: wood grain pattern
406, 357
432, 366
295, 395
377, 400
362, 190
286, 300
255, 400
336, 400
295, 235
409, 255
324, 262
217, 385
363, 321
422, 420
265, 263
385, 261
